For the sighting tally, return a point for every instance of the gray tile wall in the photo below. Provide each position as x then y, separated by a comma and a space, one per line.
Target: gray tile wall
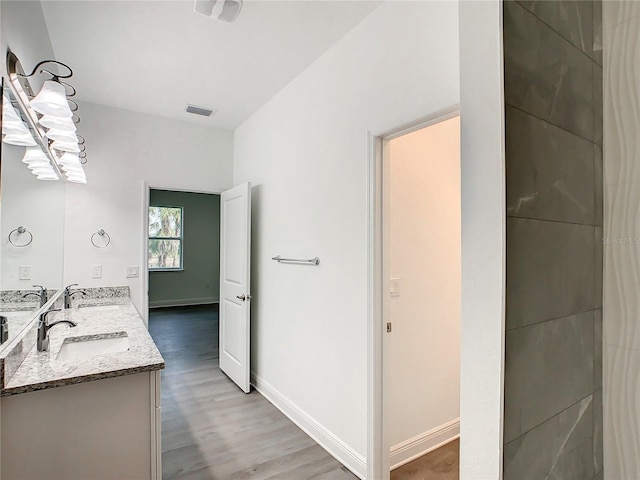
553, 122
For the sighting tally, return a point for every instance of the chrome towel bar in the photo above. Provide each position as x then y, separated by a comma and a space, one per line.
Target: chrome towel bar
312, 261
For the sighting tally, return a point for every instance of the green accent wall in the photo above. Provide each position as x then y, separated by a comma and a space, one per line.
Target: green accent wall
199, 281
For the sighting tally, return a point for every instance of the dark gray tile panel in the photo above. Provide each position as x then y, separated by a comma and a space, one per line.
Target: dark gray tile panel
573, 19
560, 448
597, 349
597, 31
550, 172
545, 74
548, 368
550, 270
598, 180
598, 270
597, 104
598, 456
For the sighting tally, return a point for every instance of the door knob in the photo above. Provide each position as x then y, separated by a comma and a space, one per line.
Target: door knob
243, 297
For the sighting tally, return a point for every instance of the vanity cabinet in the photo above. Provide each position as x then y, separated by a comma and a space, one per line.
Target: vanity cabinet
102, 429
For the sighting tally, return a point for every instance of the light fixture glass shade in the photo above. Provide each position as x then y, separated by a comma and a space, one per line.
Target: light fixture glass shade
47, 176
38, 164
41, 170
14, 127
52, 100
33, 154
72, 168
66, 124
64, 135
7, 109
69, 158
65, 146
22, 140
76, 177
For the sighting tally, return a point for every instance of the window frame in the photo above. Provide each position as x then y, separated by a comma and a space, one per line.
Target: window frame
180, 238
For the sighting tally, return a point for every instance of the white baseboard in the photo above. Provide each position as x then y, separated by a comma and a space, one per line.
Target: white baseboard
327, 440
183, 302
424, 443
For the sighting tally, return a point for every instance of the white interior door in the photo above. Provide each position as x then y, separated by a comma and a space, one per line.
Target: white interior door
235, 264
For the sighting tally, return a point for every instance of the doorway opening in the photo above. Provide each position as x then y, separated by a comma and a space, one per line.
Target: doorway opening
415, 296
183, 249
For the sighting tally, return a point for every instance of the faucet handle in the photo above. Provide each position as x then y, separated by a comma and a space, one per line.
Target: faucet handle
42, 289
68, 287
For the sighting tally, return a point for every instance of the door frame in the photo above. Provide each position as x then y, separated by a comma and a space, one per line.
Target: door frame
378, 463
146, 191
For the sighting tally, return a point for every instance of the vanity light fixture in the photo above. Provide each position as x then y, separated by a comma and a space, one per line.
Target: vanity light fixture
14, 131
52, 119
64, 135
62, 124
39, 164
21, 140
34, 154
52, 99
65, 146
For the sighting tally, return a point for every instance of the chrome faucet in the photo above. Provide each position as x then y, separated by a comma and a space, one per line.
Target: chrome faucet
68, 294
44, 327
43, 295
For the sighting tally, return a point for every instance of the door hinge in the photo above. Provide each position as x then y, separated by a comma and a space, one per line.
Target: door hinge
388, 327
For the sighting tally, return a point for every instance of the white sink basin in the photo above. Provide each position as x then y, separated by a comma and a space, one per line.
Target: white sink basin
77, 348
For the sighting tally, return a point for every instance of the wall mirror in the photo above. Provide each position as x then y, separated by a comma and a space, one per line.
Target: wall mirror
31, 224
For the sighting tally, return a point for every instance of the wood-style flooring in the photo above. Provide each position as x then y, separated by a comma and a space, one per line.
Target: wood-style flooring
211, 430
441, 464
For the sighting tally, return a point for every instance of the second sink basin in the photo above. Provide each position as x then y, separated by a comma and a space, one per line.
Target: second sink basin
76, 348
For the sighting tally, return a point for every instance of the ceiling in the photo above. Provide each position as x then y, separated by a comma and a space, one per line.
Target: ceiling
156, 56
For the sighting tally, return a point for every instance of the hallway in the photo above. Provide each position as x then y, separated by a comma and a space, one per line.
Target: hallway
213, 431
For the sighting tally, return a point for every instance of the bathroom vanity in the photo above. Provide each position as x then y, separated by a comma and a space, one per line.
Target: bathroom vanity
89, 407
76, 403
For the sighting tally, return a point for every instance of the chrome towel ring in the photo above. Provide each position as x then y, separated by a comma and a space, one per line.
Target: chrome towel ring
20, 231
100, 234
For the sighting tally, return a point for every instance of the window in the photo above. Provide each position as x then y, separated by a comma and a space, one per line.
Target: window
165, 238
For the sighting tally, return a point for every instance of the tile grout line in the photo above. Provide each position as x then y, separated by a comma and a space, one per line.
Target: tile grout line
561, 35
509, 330
554, 221
509, 104
552, 417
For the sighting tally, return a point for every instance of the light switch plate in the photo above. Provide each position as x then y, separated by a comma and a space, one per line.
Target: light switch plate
24, 272
133, 271
96, 271
394, 287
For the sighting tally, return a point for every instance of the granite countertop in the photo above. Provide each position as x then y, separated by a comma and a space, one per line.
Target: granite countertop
41, 370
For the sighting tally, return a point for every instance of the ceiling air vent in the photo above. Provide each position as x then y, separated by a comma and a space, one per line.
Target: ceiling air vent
225, 10
205, 112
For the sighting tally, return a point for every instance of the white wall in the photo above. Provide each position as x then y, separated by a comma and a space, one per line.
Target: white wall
621, 302
483, 239
39, 207
305, 152
422, 353
126, 149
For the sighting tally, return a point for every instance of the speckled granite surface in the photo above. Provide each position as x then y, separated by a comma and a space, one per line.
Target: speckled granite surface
15, 350
15, 300
40, 370
101, 296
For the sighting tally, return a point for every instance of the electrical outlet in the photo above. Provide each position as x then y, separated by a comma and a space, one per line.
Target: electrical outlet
133, 271
96, 271
394, 287
24, 272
